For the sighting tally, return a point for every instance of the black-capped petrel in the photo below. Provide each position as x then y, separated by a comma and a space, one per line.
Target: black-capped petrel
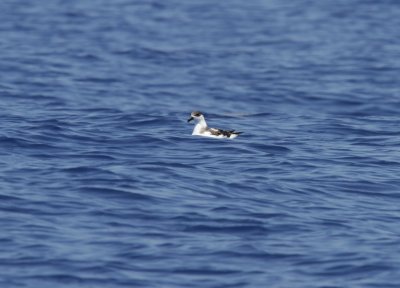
201, 128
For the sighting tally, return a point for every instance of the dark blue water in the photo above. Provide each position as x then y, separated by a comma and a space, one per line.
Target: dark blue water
102, 184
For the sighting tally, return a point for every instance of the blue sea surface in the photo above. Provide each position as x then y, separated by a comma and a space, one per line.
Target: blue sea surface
103, 185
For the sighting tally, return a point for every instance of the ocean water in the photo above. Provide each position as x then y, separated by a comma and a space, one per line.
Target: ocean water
102, 184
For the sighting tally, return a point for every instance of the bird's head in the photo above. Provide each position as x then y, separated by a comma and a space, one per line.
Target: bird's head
196, 115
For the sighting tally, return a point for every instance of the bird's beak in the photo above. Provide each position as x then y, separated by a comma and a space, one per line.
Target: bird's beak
190, 119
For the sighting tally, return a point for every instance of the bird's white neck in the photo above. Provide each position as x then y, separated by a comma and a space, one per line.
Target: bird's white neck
200, 126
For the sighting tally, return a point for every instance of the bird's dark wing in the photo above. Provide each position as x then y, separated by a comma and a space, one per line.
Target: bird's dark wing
226, 133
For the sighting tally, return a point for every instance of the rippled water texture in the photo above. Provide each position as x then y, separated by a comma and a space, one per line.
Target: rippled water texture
102, 184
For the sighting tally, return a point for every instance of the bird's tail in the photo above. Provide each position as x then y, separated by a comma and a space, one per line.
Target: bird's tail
234, 134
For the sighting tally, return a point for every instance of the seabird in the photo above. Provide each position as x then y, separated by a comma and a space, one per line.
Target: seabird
201, 128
